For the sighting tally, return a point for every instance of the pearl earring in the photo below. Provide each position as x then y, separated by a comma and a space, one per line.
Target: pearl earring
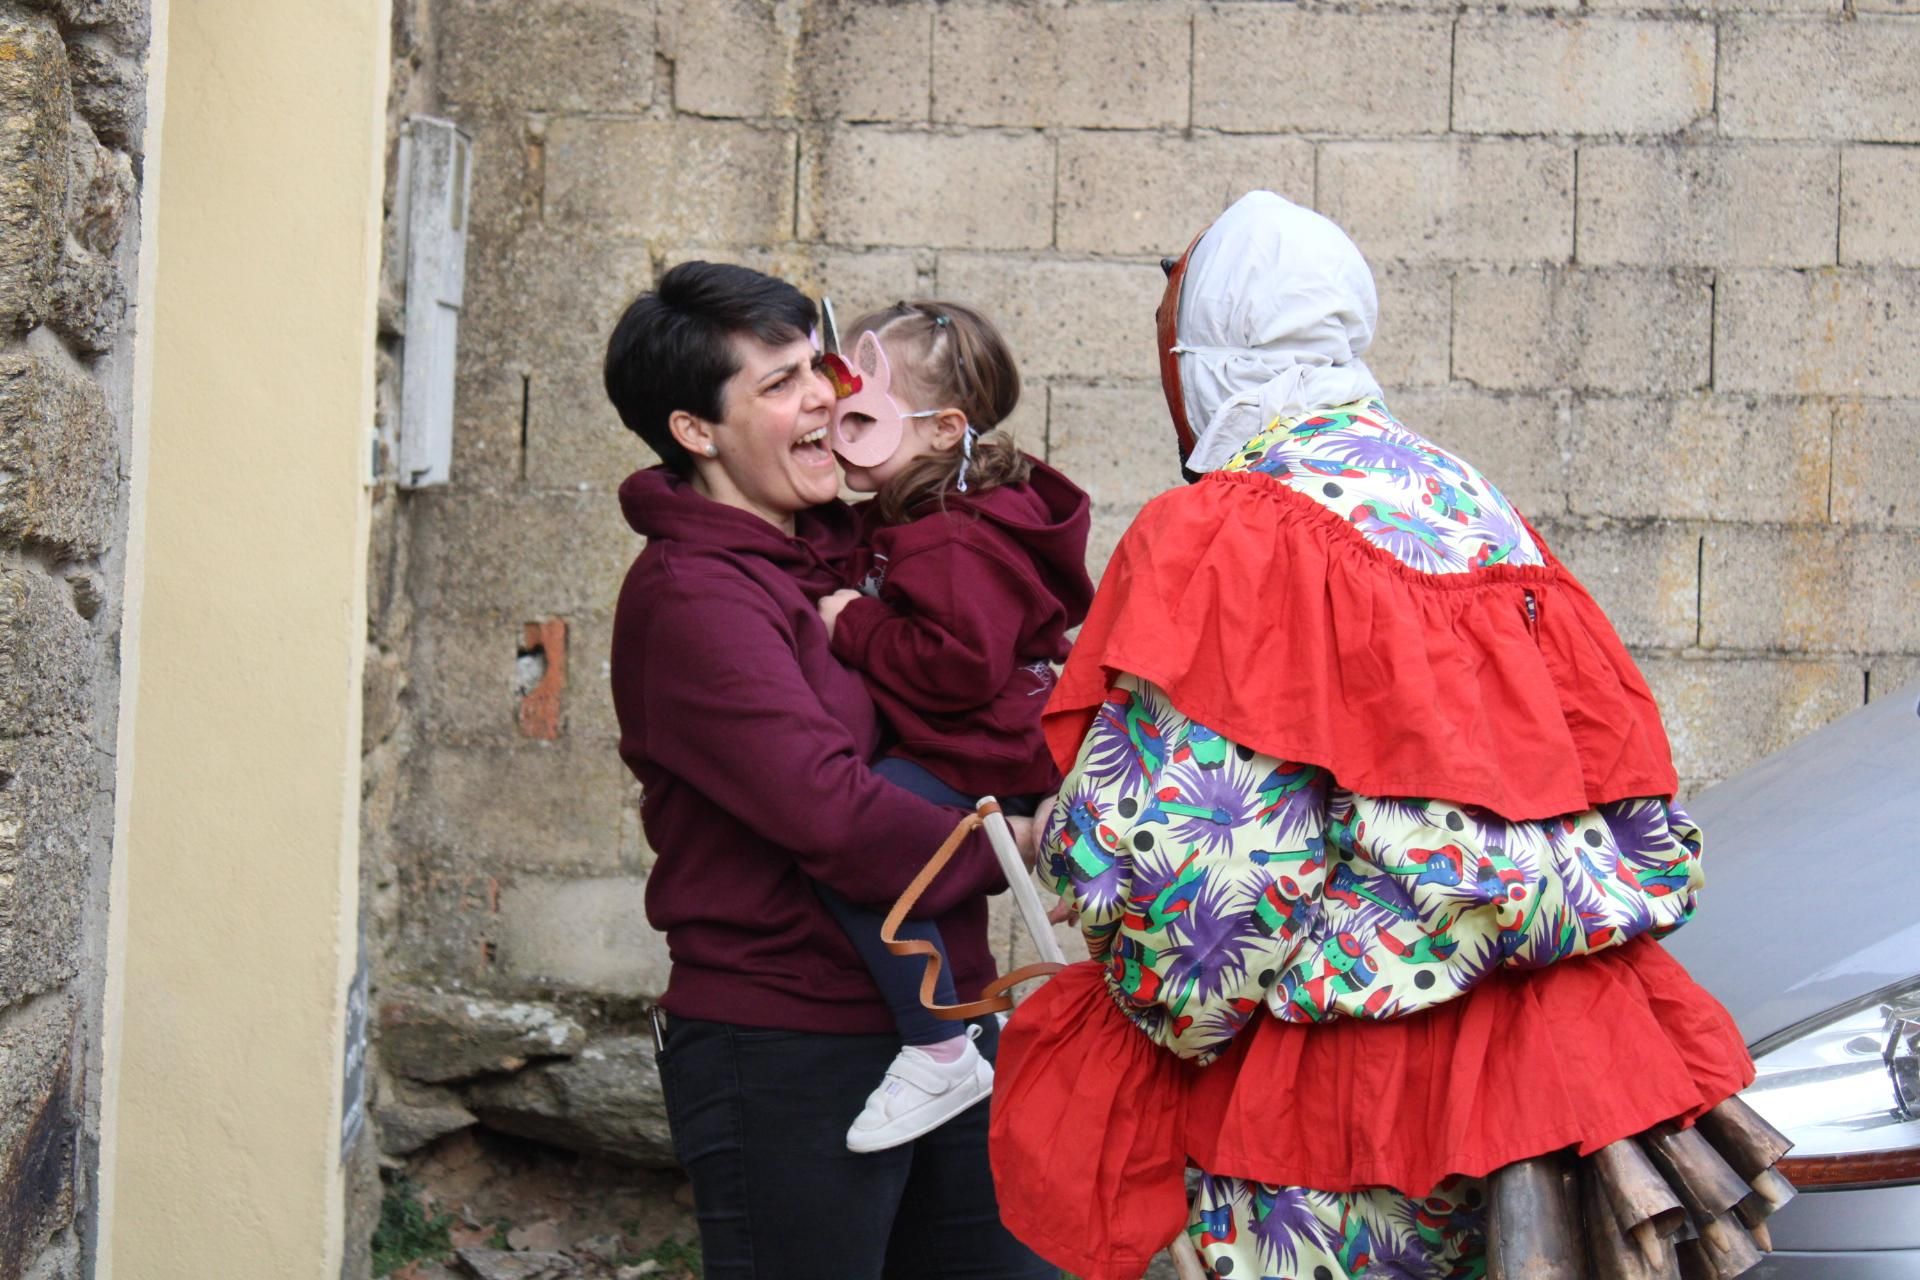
712, 452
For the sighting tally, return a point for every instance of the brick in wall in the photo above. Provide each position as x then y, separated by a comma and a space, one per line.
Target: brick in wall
1083, 320
1851, 80
1879, 191
717, 182
1116, 442
549, 67
1832, 332
1875, 443
973, 190
1810, 590
1452, 200
1701, 458
1108, 66
891, 80
1149, 193
1722, 714
1607, 329
1264, 69
1527, 74
1723, 205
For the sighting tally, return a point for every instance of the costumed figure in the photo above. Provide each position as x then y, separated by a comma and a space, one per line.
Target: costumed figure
1368, 817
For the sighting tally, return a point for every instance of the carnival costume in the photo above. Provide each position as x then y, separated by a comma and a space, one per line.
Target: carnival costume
1368, 817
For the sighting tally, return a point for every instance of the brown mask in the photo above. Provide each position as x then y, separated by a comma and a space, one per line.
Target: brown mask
1168, 320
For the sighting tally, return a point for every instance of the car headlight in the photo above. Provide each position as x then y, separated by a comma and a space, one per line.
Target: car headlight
1846, 1088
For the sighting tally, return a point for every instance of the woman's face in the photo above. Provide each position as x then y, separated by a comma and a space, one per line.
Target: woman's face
771, 440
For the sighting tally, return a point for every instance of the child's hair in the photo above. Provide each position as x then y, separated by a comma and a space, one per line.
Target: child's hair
950, 356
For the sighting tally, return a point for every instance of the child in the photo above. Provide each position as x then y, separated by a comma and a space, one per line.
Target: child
971, 570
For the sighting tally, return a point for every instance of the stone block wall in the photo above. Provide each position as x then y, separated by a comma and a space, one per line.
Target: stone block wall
1652, 266
72, 99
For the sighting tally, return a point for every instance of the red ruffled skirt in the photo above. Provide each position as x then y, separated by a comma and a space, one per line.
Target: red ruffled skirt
1093, 1124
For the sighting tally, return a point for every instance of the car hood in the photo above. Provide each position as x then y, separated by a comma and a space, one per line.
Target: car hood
1813, 871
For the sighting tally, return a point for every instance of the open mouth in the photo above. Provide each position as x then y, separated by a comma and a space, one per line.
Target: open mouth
812, 447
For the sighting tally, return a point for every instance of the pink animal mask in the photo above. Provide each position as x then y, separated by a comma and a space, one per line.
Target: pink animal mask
867, 421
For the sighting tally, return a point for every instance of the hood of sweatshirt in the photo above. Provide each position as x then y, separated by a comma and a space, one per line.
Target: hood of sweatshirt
1048, 517
663, 507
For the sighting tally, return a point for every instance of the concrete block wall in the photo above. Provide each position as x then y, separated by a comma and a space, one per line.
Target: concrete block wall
1653, 267
72, 99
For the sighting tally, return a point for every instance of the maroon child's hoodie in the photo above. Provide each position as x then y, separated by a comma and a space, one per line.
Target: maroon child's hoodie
751, 744
964, 608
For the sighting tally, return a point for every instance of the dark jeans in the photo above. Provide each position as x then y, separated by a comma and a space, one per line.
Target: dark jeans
759, 1120
898, 977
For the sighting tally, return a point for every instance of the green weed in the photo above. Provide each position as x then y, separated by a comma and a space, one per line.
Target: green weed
408, 1230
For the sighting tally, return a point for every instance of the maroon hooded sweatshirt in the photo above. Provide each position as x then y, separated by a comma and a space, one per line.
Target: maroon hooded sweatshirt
964, 609
751, 744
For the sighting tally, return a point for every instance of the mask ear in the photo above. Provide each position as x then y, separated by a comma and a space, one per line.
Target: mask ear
871, 358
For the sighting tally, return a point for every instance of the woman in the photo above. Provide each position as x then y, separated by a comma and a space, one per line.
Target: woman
1368, 819
751, 743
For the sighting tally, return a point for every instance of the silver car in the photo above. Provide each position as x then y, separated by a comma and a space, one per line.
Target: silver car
1809, 932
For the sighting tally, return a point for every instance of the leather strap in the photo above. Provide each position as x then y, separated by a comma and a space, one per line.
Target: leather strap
996, 996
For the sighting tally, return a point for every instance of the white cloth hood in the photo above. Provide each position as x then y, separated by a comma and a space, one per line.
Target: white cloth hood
1275, 312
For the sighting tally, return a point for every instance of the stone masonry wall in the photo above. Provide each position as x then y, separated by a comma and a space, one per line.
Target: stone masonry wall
1654, 267
72, 100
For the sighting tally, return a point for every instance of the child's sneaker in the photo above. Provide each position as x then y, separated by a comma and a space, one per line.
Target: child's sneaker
918, 1095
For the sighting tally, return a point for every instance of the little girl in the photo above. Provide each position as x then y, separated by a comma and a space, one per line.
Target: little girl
971, 570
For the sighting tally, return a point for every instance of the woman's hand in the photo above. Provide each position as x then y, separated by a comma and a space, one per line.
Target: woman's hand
830, 606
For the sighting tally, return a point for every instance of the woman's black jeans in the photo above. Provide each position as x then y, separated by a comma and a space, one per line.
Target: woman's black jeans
760, 1120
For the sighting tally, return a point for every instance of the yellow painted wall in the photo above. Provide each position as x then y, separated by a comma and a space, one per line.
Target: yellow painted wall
234, 908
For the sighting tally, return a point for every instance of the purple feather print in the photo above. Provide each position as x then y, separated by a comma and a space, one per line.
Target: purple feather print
1212, 803
1216, 939
1284, 1225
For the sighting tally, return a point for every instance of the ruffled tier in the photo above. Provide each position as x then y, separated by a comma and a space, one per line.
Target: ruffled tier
1089, 1156
1274, 622
1093, 1125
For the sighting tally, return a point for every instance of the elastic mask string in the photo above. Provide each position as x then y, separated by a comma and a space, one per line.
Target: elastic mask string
966, 456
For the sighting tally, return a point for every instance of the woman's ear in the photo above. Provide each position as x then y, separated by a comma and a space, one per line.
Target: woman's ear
695, 435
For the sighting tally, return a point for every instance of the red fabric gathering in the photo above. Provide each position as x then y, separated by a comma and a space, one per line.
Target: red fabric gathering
1093, 1124
1275, 623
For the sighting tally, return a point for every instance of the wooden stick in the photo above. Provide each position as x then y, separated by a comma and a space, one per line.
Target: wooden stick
1020, 881
1186, 1258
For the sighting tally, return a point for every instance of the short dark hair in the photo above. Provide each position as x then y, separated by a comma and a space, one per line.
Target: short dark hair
672, 349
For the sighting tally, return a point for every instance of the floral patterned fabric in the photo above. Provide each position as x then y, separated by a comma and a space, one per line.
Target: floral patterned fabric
1404, 494
1214, 882
1249, 1229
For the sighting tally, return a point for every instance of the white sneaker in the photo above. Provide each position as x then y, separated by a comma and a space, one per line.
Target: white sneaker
918, 1095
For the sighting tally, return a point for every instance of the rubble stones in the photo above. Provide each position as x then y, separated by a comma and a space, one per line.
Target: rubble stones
34, 107
409, 1115
606, 1101
50, 795
57, 456
438, 1036
505, 1264
37, 1130
110, 90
